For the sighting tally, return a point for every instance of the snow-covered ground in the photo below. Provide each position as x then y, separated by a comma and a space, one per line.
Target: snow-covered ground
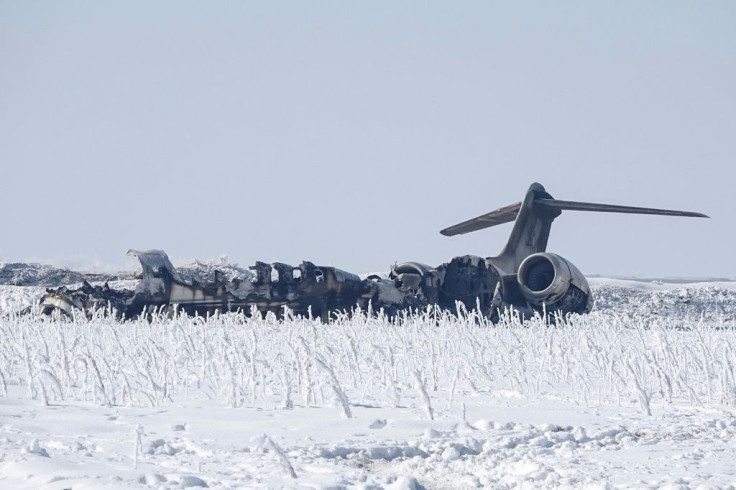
639, 394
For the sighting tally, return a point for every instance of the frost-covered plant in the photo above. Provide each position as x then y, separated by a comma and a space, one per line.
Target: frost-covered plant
597, 359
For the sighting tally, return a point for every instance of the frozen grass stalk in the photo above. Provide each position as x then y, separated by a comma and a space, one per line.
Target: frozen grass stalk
340, 396
421, 387
138, 443
281, 456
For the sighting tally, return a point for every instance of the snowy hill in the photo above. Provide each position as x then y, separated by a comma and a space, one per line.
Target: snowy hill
711, 300
25, 274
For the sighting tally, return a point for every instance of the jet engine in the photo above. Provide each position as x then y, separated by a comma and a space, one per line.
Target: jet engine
548, 279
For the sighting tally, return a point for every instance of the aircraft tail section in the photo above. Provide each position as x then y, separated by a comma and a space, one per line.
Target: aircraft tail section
533, 219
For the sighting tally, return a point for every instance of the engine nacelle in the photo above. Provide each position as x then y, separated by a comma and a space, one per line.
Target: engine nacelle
548, 279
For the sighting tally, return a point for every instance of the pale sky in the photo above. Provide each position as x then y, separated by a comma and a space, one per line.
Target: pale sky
350, 133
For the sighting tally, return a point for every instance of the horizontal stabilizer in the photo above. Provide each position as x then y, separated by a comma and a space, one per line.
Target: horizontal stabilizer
506, 214
533, 219
509, 213
610, 208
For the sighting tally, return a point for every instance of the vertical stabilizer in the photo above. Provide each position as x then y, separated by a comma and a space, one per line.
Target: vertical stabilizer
530, 232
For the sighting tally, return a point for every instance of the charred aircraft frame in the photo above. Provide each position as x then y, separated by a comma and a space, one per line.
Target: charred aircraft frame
523, 276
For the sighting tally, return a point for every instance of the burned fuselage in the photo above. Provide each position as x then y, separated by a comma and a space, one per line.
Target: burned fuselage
523, 277
307, 289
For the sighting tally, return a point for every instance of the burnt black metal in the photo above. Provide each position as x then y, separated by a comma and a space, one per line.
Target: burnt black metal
523, 276
86, 298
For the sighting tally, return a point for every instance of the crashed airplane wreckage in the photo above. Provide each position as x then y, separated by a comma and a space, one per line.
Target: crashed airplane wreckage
523, 277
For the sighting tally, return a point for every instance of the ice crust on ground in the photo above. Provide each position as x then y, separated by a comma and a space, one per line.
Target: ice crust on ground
514, 406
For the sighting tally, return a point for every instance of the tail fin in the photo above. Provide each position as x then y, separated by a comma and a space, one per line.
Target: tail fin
533, 220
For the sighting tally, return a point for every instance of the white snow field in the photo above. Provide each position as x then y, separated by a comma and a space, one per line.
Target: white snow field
639, 394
